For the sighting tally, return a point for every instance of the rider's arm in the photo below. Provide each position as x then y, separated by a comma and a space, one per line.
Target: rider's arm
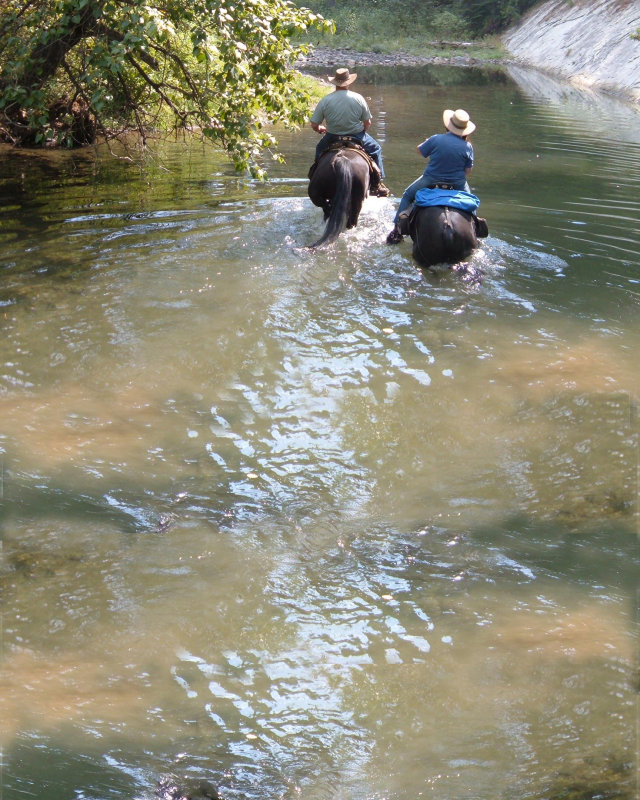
367, 124
318, 128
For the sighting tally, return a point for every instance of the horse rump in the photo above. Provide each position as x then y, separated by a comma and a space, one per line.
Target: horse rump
339, 185
442, 235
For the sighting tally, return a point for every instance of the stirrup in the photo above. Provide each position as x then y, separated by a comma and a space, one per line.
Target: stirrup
382, 190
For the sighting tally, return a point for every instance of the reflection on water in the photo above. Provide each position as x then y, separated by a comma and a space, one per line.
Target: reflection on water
320, 524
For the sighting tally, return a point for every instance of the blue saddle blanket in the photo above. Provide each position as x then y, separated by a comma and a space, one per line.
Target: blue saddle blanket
455, 198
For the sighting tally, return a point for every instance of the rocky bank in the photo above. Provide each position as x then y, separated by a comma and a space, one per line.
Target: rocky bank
587, 42
330, 58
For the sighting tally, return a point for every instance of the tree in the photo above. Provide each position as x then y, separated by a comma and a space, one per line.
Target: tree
70, 69
493, 16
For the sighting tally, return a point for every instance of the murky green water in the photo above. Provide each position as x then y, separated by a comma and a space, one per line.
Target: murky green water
320, 525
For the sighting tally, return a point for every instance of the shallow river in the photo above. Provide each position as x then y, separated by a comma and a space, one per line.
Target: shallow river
321, 525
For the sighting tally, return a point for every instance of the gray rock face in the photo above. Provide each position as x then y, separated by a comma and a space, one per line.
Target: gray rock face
588, 42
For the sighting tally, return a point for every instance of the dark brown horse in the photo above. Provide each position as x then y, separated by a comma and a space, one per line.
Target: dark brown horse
339, 185
442, 235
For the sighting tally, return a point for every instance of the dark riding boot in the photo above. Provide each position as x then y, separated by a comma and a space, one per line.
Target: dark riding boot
403, 221
376, 186
401, 228
394, 236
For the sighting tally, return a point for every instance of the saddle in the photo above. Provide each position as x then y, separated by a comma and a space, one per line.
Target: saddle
444, 194
375, 178
406, 218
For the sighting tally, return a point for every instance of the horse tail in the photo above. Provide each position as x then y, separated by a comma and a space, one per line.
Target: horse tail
339, 204
449, 234
438, 237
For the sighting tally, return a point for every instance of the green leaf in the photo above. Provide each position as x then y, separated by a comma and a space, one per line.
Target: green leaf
221, 65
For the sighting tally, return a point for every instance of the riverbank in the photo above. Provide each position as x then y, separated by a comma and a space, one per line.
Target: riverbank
587, 43
517, 68
329, 58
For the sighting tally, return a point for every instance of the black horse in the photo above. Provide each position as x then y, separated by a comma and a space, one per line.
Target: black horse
443, 235
339, 184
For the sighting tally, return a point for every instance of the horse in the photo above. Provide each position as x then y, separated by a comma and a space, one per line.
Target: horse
443, 235
339, 184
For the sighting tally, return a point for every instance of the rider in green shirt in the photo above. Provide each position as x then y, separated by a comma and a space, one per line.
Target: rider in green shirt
346, 113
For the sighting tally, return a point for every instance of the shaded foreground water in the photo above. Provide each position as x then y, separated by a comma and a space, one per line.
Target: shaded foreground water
321, 525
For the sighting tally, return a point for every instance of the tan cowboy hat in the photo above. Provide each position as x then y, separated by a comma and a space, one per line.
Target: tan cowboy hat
343, 77
458, 122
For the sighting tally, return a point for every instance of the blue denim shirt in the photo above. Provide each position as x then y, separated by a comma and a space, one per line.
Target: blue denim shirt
449, 156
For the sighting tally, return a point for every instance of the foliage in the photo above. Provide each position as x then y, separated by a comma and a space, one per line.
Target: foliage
492, 16
387, 25
71, 68
377, 24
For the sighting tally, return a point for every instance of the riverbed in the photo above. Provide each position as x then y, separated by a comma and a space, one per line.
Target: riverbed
321, 524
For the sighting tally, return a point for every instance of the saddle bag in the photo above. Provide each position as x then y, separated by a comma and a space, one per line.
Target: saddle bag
482, 229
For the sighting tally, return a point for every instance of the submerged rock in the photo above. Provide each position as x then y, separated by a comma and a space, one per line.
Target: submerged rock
40, 563
594, 778
595, 506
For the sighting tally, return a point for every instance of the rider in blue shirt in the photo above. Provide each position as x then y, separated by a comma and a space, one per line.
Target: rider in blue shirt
450, 162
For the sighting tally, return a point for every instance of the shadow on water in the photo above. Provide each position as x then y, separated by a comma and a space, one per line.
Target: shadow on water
47, 766
42, 767
410, 593
127, 513
426, 75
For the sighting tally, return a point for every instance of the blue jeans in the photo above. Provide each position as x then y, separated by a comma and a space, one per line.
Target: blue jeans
369, 144
409, 194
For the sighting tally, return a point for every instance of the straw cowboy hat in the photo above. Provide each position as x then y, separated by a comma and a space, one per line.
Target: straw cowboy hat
343, 77
458, 122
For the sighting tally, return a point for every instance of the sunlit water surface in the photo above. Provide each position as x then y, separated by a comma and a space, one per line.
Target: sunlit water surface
318, 524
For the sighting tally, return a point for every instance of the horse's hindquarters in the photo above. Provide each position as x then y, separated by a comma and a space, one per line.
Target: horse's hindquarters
339, 186
442, 235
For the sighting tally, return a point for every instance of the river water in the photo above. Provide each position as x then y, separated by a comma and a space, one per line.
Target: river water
321, 525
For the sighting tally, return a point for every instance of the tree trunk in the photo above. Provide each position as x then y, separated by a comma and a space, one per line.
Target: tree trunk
47, 58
